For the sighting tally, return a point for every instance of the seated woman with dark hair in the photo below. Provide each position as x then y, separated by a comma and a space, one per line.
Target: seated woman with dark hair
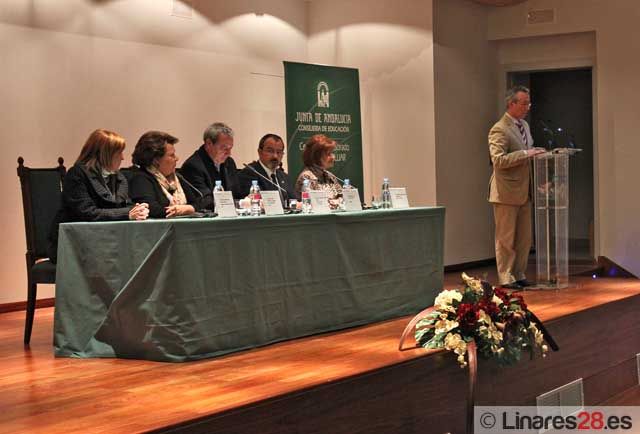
94, 189
156, 181
318, 158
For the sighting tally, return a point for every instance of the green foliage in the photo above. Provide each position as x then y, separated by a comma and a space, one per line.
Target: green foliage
496, 320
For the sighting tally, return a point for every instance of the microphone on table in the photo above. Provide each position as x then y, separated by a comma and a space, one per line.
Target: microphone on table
183, 179
326, 172
264, 177
551, 136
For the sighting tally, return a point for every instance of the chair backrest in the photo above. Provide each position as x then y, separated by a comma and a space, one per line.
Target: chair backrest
41, 200
128, 172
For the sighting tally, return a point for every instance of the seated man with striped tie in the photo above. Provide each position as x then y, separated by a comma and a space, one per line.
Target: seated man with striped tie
511, 148
267, 171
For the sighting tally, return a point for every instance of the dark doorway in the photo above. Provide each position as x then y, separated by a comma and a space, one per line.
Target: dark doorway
562, 116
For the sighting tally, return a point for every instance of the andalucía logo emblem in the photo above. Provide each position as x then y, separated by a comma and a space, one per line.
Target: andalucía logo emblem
323, 95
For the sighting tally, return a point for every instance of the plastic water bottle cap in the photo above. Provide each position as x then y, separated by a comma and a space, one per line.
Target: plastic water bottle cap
346, 181
254, 182
218, 183
385, 180
305, 182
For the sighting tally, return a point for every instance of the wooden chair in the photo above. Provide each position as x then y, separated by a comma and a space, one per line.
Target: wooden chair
41, 198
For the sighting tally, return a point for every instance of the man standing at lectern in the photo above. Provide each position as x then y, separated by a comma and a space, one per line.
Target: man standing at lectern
511, 148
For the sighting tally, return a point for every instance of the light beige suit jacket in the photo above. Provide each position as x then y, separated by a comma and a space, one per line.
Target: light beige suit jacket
509, 183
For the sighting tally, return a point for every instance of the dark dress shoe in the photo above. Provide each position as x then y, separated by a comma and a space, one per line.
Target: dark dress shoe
524, 283
513, 285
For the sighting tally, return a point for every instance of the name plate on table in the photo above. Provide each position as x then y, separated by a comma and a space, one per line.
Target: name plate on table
351, 200
272, 203
224, 204
319, 201
399, 198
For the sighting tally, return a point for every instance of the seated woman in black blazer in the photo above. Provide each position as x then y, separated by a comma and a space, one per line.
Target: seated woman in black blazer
156, 182
94, 189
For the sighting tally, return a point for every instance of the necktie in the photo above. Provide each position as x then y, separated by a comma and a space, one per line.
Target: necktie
283, 197
522, 132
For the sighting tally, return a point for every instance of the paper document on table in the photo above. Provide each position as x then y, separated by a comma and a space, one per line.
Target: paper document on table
225, 206
319, 201
271, 202
399, 198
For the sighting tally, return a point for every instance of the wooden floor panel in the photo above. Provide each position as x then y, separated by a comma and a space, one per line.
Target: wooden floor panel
628, 397
41, 393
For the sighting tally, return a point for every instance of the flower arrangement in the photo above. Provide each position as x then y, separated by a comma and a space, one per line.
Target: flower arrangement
498, 322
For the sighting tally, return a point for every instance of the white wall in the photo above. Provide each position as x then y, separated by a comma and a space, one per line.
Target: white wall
465, 95
550, 51
70, 67
617, 88
391, 43
129, 65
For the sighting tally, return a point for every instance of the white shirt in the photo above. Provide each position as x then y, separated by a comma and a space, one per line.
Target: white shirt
266, 169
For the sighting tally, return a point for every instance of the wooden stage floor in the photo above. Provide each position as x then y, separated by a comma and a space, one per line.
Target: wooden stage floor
43, 394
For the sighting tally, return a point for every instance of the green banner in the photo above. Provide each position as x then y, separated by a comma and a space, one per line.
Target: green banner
324, 100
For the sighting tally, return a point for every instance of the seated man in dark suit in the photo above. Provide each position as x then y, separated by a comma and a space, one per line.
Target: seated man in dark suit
211, 162
270, 153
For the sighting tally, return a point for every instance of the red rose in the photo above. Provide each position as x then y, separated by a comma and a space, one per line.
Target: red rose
489, 307
502, 295
468, 316
520, 301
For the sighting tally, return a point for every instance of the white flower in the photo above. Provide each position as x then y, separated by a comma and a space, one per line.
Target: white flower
462, 361
496, 300
538, 337
496, 334
451, 341
455, 343
444, 326
446, 297
473, 283
484, 317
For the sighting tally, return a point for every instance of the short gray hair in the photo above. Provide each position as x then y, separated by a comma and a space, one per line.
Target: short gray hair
513, 92
214, 130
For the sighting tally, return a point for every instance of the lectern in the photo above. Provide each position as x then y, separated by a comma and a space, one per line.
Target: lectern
551, 184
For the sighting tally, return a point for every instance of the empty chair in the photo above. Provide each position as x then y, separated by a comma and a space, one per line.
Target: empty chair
41, 193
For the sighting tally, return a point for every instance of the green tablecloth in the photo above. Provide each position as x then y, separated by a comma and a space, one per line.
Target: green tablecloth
188, 289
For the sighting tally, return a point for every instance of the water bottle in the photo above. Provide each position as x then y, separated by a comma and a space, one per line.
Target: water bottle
386, 194
306, 197
346, 185
218, 187
255, 196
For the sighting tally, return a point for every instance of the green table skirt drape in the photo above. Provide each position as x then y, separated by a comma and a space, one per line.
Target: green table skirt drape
178, 290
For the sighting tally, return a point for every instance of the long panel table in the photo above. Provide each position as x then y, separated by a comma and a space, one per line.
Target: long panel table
187, 289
